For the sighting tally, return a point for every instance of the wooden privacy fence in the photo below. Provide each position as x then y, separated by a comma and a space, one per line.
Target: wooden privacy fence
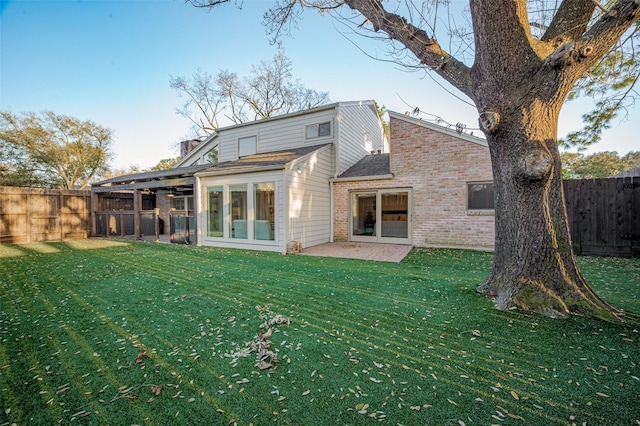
34, 214
604, 216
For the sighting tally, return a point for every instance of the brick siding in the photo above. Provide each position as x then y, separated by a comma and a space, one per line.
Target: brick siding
437, 167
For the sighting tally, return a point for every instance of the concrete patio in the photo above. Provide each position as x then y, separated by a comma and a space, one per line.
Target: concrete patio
365, 251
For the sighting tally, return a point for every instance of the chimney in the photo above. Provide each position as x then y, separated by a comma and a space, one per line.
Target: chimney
187, 146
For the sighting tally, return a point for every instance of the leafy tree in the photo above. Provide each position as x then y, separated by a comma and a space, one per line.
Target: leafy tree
382, 111
270, 90
598, 165
518, 65
165, 163
15, 168
55, 149
612, 84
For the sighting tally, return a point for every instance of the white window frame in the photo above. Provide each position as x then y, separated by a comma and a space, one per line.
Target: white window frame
315, 128
250, 239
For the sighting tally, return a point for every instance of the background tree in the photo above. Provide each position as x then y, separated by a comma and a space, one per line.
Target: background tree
598, 165
526, 58
165, 163
56, 150
16, 169
270, 90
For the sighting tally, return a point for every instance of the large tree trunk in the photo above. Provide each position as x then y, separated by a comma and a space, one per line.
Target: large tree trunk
534, 267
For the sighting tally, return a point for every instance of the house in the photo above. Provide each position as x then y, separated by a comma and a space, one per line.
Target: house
270, 186
316, 176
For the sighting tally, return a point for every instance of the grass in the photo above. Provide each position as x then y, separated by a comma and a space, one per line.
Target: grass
368, 342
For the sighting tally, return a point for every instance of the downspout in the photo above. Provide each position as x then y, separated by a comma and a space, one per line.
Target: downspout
336, 144
331, 209
198, 205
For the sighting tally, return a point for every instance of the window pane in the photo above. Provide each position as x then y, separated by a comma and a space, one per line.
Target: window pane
395, 215
324, 129
363, 214
177, 203
215, 203
238, 223
312, 131
480, 196
263, 206
247, 146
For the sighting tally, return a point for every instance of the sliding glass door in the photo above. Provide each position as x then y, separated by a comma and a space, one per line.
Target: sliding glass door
382, 216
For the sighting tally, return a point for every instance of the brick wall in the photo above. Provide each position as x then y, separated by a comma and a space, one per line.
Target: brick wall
436, 165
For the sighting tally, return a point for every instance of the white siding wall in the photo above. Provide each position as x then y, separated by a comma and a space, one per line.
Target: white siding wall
360, 132
275, 134
309, 198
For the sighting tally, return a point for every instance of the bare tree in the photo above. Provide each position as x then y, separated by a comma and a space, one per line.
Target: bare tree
526, 58
270, 90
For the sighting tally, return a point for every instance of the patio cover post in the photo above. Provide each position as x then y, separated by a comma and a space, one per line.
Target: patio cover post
156, 215
137, 203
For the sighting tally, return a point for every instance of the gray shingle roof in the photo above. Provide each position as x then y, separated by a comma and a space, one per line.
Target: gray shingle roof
175, 172
276, 158
267, 159
371, 165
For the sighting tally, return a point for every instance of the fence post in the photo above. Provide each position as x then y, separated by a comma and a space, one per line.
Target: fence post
121, 223
60, 217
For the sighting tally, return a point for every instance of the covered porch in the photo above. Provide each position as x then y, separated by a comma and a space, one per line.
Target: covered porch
156, 205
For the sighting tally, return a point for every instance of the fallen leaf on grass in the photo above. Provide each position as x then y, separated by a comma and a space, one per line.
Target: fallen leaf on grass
604, 395
156, 389
263, 365
514, 395
141, 356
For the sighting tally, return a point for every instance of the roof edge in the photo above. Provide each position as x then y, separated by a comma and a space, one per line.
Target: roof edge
358, 178
436, 128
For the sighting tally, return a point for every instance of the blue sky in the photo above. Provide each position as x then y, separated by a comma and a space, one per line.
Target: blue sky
110, 61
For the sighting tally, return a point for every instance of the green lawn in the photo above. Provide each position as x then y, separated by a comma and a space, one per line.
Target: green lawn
368, 342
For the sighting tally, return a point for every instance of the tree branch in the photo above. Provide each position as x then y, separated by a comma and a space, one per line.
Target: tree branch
424, 47
602, 35
570, 21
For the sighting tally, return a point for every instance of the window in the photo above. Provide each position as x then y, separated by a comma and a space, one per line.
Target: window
318, 130
381, 215
264, 223
247, 146
177, 203
238, 223
242, 211
480, 196
215, 222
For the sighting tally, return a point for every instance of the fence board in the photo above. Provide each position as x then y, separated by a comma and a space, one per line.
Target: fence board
604, 216
34, 214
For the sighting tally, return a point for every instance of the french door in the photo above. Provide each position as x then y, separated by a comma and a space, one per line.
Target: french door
381, 216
